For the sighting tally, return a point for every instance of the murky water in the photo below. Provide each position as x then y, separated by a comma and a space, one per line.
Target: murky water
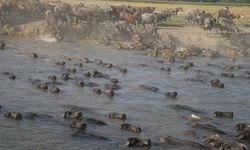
143, 108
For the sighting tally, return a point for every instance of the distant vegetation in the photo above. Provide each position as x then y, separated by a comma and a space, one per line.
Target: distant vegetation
230, 2
217, 1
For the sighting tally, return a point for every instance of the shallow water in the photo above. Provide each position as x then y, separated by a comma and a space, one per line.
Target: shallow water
143, 108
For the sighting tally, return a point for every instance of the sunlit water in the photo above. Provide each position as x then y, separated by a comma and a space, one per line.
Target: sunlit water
143, 108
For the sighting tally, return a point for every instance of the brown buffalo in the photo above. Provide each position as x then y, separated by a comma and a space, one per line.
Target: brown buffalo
131, 18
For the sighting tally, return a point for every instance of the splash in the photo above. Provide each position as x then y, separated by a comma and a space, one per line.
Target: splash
49, 38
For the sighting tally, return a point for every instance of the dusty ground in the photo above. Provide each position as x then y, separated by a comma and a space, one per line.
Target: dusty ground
192, 35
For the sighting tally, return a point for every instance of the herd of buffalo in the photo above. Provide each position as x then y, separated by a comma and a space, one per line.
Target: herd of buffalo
139, 26
78, 120
118, 26
119, 18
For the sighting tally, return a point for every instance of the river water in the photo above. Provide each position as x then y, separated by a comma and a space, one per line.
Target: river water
144, 108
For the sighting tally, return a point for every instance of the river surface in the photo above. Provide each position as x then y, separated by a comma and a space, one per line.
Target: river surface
144, 108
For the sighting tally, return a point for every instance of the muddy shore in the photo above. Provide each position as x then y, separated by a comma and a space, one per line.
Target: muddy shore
180, 37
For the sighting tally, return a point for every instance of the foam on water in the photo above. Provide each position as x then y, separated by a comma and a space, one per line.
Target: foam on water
48, 38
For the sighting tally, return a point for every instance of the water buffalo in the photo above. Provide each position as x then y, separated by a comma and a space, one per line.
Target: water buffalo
131, 18
224, 114
72, 115
131, 128
228, 25
52, 78
76, 7
55, 90
204, 15
42, 86
112, 87
243, 131
217, 83
224, 13
135, 142
117, 10
7, 7
96, 11
123, 29
50, 19
193, 16
178, 9
208, 24
114, 80
97, 91
2, 44
78, 125
108, 13
109, 93
149, 18
114, 115
80, 84
3, 19
33, 7
87, 74
65, 76
63, 13
153, 18
219, 142
172, 94
168, 13
12, 76
84, 14
33, 55
61, 63
14, 115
